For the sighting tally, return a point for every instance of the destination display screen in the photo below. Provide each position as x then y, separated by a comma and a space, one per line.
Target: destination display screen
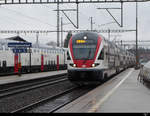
88, 41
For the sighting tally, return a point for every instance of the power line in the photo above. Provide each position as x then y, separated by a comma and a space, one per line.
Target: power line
29, 17
10, 19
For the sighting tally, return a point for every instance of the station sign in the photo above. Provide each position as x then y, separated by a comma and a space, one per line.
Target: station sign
15, 44
20, 50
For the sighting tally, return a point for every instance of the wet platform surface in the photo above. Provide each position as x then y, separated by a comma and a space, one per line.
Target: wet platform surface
16, 78
123, 93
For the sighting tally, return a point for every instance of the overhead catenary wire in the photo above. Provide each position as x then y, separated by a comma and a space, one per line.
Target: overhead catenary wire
27, 16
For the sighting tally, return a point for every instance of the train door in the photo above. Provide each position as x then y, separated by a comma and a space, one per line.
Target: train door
57, 62
105, 56
42, 62
106, 51
16, 63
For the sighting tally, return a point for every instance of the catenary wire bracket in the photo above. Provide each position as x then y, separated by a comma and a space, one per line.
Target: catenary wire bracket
115, 8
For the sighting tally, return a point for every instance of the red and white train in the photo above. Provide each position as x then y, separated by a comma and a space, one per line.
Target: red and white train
42, 57
91, 58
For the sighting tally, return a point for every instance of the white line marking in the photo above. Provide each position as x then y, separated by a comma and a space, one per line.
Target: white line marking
96, 106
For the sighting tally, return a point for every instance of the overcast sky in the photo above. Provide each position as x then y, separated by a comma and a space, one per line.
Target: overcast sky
42, 17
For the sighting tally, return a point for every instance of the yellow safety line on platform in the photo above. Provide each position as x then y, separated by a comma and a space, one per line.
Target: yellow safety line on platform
96, 106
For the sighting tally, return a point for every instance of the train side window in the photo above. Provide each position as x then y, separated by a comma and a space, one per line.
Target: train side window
34, 50
38, 60
68, 56
123, 57
51, 62
6, 48
4, 64
101, 55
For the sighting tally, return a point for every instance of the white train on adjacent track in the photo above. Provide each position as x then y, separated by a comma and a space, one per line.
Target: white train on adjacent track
42, 58
91, 58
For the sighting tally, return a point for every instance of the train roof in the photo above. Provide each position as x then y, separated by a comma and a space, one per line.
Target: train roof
44, 46
4, 42
95, 35
92, 35
16, 38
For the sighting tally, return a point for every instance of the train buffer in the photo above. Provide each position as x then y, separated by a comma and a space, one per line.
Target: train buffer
123, 93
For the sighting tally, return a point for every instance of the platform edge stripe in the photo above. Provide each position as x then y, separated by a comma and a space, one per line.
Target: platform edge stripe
95, 107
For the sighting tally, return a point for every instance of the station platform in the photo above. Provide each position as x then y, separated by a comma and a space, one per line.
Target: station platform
123, 93
23, 77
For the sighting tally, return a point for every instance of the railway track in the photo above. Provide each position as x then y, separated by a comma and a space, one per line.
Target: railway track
29, 86
49, 105
17, 84
46, 95
12, 92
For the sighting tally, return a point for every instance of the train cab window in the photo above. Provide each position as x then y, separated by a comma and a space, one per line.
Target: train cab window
101, 55
68, 56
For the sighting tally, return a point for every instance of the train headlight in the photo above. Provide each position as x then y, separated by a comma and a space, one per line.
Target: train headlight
93, 65
74, 65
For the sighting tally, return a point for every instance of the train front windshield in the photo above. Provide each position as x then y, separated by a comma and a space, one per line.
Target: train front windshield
84, 49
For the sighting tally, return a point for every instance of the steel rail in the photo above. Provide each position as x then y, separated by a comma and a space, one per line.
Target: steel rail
11, 91
43, 100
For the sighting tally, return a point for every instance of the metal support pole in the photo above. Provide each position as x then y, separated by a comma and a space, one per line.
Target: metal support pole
37, 39
121, 43
91, 23
30, 58
61, 32
109, 34
121, 14
77, 15
137, 58
19, 64
57, 23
